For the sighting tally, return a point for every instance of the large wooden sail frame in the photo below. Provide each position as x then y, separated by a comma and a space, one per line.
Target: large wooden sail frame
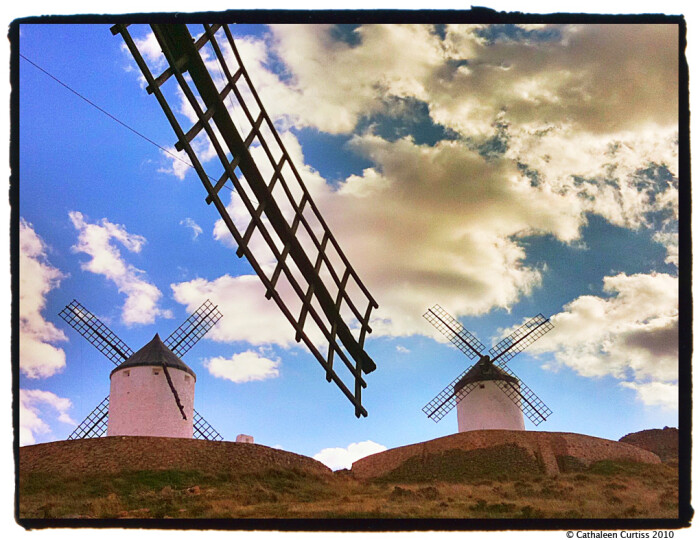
310, 278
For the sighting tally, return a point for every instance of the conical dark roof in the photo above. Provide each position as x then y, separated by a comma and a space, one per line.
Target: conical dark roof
484, 370
154, 353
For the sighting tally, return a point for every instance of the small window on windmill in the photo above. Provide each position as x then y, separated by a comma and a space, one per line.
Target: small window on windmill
156, 371
482, 386
187, 377
126, 373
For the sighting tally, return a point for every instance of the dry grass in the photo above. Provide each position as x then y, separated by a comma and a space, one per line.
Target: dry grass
605, 490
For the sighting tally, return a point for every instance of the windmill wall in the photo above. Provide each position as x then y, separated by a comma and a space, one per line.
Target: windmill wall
488, 407
141, 402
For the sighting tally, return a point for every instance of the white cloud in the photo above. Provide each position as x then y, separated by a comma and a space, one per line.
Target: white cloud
247, 315
35, 403
441, 224
577, 78
179, 164
243, 367
444, 223
333, 84
401, 349
330, 85
631, 335
97, 241
343, 458
38, 357
670, 242
655, 393
190, 223
150, 49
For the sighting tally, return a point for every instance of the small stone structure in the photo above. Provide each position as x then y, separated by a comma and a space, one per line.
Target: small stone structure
547, 448
244, 438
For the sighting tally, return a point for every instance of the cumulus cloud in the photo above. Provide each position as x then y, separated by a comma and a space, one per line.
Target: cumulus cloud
98, 241
33, 404
462, 248
150, 49
343, 458
467, 77
38, 357
655, 393
547, 135
564, 79
390, 60
192, 224
670, 242
632, 335
247, 315
243, 367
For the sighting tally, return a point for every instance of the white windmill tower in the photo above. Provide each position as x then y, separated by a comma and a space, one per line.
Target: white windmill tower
488, 395
151, 390
487, 406
141, 394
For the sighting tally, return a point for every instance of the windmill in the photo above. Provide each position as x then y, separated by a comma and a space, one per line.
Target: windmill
152, 389
488, 395
311, 280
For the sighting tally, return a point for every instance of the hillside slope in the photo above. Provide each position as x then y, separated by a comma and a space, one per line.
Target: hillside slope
145, 477
507, 451
117, 454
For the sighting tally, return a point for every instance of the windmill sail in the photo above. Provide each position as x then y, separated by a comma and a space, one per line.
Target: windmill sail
520, 339
447, 399
174, 391
94, 425
531, 405
453, 330
204, 430
193, 329
312, 282
96, 332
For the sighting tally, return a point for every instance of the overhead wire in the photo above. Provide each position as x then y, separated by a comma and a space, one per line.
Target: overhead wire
114, 118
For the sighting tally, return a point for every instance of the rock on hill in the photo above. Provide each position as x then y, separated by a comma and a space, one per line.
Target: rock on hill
663, 442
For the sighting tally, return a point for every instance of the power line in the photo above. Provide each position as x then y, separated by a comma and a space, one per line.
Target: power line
107, 113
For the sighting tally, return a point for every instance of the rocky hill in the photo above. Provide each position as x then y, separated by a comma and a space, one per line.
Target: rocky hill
509, 452
118, 454
663, 442
156, 478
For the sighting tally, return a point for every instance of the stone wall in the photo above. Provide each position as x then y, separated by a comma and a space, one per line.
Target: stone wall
546, 447
116, 454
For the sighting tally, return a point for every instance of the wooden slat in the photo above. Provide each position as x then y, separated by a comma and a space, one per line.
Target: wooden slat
222, 180
285, 251
310, 291
163, 77
338, 300
199, 125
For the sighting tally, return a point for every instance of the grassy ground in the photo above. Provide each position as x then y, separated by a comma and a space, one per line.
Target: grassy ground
604, 490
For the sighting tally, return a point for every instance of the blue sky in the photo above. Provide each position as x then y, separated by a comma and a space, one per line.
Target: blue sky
497, 171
